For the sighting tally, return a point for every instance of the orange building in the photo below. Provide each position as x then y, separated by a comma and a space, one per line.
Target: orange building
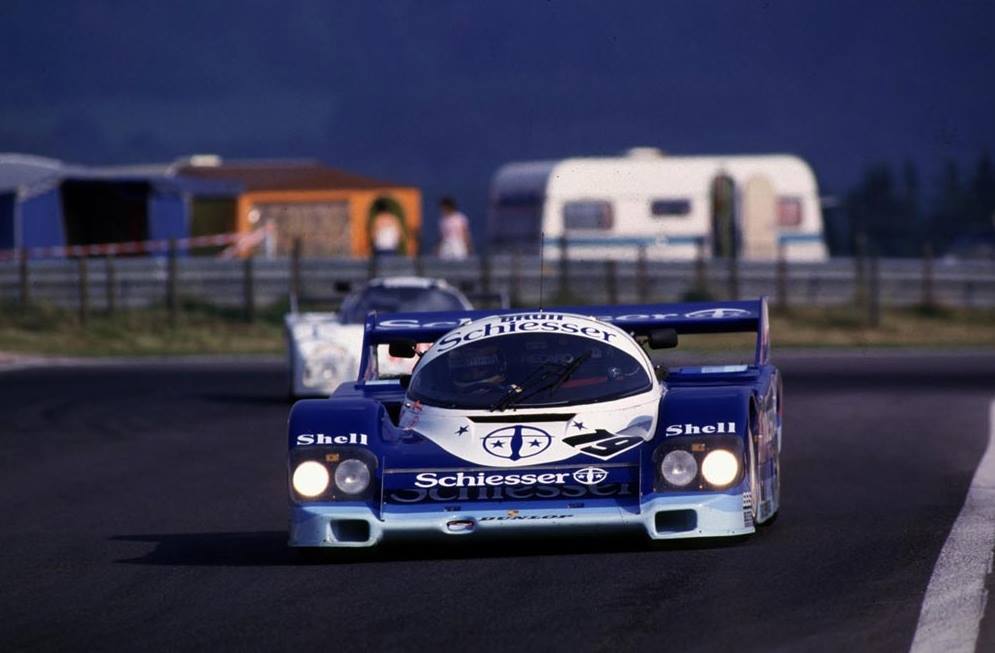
332, 212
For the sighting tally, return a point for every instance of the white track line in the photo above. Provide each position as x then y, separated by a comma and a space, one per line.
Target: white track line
956, 596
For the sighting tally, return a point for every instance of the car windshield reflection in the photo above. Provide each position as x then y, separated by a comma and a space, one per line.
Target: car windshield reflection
538, 369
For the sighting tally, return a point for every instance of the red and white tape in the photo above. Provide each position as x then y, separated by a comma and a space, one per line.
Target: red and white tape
239, 242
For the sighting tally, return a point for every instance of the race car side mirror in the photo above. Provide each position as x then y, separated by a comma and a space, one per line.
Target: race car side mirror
402, 348
663, 339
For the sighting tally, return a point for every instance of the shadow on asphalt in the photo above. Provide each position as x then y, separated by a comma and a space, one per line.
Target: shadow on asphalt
269, 548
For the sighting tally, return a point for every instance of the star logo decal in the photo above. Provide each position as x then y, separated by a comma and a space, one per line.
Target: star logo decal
579, 425
516, 442
461, 430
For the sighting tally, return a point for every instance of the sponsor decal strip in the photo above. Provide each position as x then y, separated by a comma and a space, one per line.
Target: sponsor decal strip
462, 479
523, 517
512, 324
305, 439
498, 470
585, 476
719, 428
718, 313
517, 493
500, 485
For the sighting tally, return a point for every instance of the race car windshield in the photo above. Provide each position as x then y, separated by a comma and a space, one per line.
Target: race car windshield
397, 300
537, 369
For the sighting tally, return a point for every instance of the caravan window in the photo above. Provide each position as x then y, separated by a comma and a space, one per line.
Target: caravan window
588, 214
789, 211
674, 207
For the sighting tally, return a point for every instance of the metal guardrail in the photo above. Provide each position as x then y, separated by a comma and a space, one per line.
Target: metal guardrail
118, 283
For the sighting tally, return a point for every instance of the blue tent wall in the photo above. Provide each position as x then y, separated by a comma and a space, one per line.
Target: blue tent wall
41, 220
38, 220
167, 211
7, 204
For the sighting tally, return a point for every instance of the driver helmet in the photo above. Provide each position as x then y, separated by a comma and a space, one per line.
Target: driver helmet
477, 363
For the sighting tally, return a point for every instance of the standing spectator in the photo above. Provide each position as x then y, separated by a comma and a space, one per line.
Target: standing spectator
454, 232
385, 230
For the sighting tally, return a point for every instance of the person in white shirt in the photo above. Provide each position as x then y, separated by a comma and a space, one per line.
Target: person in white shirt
455, 242
386, 233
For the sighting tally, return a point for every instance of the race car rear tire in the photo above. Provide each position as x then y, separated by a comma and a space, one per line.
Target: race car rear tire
771, 518
777, 491
755, 490
754, 468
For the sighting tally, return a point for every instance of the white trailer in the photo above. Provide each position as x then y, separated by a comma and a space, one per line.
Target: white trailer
608, 207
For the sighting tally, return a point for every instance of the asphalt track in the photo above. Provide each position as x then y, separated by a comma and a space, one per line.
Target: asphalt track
143, 507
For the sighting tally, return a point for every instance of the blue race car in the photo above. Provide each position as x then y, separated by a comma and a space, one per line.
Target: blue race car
521, 421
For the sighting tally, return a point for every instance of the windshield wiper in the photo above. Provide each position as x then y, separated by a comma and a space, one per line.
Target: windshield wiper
517, 393
538, 374
569, 370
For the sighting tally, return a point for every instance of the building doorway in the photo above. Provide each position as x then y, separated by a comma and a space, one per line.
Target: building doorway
105, 211
758, 220
724, 238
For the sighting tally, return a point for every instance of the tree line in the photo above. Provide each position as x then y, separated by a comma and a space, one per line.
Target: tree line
897, 217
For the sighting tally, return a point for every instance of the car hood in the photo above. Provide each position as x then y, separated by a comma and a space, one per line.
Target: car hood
528, 437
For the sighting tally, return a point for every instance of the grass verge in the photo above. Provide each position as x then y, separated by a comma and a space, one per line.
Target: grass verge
201, 329
912, 327
147, 332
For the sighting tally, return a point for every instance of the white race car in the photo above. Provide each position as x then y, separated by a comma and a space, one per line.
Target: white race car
324, 348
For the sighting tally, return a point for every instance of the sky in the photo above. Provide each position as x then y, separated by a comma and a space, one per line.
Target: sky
439, 94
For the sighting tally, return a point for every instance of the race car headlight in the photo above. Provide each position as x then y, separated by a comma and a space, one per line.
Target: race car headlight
310, 479
720, 467
352, 476
679, 468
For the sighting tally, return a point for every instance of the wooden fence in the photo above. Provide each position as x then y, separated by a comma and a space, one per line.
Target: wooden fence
113, 284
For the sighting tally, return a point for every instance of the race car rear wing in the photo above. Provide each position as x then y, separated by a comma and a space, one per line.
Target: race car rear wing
637, 319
